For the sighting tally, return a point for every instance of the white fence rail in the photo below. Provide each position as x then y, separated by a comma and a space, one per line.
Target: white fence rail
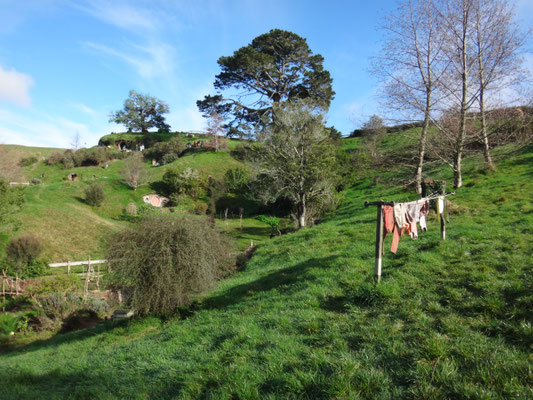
74, 263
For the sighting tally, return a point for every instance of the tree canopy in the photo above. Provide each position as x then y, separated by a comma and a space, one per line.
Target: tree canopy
141, 112
276, 67
295, 160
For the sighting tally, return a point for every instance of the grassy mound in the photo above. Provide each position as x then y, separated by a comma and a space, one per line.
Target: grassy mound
451, 319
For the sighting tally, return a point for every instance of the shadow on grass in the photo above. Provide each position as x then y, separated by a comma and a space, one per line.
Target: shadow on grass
61, 338
96, 383
252, 231
283, 280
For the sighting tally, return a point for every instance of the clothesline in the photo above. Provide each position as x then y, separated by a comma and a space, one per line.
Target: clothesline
392, 203
402, 217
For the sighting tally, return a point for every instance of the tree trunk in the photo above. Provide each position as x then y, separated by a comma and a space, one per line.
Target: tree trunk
422, 144
459, 149
460, 142
301, 211
484, 133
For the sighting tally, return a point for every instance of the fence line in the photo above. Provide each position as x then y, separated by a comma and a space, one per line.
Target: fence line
74, 263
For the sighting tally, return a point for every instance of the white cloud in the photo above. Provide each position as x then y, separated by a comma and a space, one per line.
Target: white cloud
83, 108
121, 15
187, 119
38, 129
14, 87
153, 61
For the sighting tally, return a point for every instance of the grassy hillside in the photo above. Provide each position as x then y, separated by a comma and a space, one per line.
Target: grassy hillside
451, 319
70, 229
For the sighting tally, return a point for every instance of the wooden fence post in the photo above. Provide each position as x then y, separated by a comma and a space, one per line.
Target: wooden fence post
98, 278
4, 290
379, 243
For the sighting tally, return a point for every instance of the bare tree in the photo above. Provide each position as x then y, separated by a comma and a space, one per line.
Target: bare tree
411, 66
215, 129
458, 17
134, 172
496, 44
76, 141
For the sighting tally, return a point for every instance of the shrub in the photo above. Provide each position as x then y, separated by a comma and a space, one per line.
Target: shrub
200, 208
99, 306
54, 158
26, 162
186, 182
167, 151
94, 195
131, 209
169, 157
58, 305
23, 250
163, 261
146, 209
273, 222
8, 324
58, 284
36, 268
236, 179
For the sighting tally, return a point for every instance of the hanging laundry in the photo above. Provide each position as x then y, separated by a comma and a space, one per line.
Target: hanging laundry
390, 227
423, 224
399, 214
424, 211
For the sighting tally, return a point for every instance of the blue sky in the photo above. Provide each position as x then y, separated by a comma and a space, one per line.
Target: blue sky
66, 64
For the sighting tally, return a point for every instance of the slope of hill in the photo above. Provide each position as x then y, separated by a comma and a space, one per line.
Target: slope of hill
451, 319
71, 229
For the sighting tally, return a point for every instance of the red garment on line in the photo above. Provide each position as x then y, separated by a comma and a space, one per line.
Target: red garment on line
389, 227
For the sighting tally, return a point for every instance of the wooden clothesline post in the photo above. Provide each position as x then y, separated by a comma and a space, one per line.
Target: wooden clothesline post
379, 244
379, 237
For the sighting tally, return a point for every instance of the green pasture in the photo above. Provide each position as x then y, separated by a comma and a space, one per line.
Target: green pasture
450, 319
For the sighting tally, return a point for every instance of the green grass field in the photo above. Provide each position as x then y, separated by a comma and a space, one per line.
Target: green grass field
72, 230
450, 320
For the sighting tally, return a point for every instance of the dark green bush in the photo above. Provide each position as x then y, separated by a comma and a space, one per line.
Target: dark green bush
80, 158
186, 182
36, 268
163, 261
236, 179
94, 195
167, 151
8, 324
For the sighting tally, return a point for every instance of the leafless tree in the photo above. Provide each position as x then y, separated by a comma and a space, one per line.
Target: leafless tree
481, 46
76, 141
496, 44
134, 172
411, 66
458, 18
215, 129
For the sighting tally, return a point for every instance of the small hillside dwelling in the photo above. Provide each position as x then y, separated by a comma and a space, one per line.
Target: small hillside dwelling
155, 199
